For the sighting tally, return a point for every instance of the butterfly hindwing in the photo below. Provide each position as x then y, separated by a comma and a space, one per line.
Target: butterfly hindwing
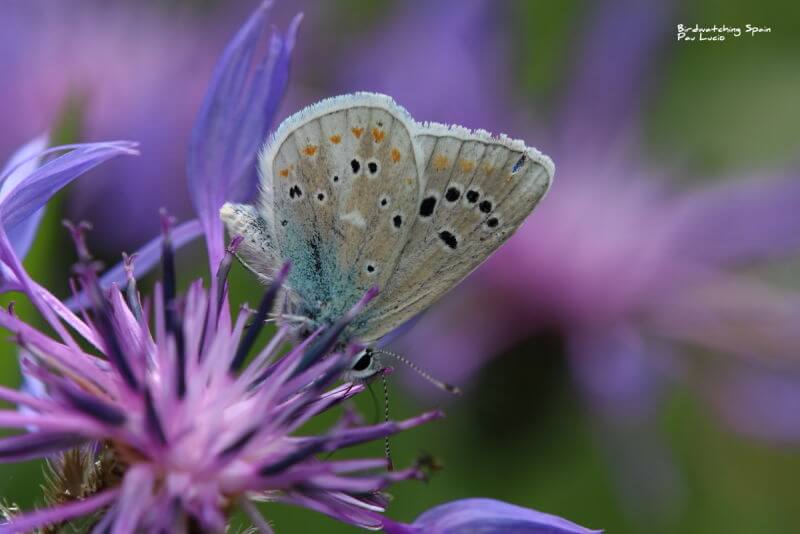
344, 183
475, 192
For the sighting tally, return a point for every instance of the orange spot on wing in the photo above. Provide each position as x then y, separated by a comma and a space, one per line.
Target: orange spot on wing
466, 165
395, 155
284, 172
378, 135
487, 169
357, 131
336, 139
440, 162
310, 150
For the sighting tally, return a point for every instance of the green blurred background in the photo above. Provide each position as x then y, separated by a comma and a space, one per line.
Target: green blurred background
722, 109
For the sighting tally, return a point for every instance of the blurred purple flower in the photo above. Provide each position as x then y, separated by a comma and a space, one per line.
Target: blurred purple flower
485, 516
624, 267
615, 259
465, 60
119, 69
235, 118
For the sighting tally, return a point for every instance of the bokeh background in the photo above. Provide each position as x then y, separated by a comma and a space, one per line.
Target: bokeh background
630, 359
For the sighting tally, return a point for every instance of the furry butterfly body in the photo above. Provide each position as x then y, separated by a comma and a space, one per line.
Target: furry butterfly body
356, 193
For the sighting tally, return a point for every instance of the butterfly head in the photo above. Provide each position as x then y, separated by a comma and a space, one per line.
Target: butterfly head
365, 365
368, 363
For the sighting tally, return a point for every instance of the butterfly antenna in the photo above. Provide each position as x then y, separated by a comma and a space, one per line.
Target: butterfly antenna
438, 383
386, 448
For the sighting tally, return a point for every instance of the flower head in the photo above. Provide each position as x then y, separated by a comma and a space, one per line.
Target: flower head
197, 427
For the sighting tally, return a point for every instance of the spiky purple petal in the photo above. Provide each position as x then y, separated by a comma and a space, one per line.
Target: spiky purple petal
236, 115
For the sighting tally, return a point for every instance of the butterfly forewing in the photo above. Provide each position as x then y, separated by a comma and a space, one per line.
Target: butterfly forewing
344, 184
475, 192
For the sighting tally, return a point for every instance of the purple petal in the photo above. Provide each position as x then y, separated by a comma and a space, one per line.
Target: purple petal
147, 257
742, 221
34, 190
233, 123
36, 445
486, 516
355, 436
40, 518
22, 164
21, 236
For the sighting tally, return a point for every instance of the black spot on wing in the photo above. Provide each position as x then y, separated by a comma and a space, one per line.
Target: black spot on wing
427, 206
518, 165
449, 239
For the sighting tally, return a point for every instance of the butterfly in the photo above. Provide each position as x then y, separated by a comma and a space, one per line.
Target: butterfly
356, 194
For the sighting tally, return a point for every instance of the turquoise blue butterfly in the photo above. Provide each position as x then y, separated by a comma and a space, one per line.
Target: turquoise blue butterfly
356, 194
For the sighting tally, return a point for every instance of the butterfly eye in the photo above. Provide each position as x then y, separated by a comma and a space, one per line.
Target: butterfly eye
363, 362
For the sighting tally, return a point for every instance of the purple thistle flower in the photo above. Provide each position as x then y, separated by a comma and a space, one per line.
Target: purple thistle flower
196, 428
